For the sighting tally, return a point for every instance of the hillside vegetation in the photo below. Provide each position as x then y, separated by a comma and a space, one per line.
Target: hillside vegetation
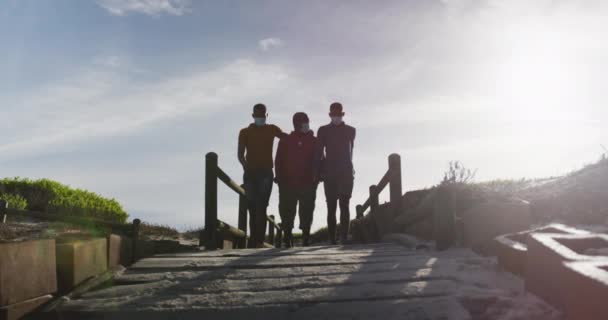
53, 197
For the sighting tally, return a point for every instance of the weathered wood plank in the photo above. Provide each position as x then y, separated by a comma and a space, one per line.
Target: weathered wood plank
322, 255
141, 275
275, 273
401, 309
290, 283
327, 250
229, 254
265, 262
174, 296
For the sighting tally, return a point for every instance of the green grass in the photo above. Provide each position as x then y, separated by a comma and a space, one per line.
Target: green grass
53, 197
14, 201
152, 229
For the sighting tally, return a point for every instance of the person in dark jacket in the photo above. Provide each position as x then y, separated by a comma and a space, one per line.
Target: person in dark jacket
255, 155
296, 169
337, 141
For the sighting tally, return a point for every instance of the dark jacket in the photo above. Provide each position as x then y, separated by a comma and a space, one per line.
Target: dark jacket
336, 143
295, 160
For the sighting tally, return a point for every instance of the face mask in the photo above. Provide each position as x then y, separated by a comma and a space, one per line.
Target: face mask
336, 120
259, 121
305, 127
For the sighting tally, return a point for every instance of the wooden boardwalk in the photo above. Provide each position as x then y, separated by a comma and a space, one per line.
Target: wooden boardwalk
379, 281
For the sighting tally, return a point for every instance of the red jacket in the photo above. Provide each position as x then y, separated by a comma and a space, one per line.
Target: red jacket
295, 162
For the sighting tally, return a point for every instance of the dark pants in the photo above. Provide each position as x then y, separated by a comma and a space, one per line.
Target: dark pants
290, 198
338, 190
258, 186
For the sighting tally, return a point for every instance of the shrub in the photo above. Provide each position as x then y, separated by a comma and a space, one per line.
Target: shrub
151, 229
53, 197
457, 174
15, 201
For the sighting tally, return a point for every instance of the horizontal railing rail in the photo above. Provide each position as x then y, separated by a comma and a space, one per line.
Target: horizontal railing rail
392, 179
365, 228
214, 228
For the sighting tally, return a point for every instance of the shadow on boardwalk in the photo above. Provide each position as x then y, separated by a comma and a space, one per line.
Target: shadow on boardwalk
379, 281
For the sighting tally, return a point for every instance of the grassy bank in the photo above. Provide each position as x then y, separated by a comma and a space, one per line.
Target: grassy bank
45, 195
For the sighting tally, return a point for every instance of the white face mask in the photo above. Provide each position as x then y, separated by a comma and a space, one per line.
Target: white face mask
305, 127
336, 120
259, 121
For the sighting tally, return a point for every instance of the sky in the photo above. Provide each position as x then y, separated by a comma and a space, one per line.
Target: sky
125, 97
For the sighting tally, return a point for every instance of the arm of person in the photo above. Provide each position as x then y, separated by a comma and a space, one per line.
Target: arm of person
319, 154
352, 148
316, 161
241, 149
279, 162
352, 144
279, 133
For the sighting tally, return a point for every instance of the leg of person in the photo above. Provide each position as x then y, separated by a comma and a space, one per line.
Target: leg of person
264, 184
344, 218
282, 208
345, 191
306, 212
255, 193
332, 207
287, 210
251, 207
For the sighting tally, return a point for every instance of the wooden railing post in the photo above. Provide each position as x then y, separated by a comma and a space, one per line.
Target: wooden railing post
271, 230
374, 201
210, 242
396, 191
135, 235
243, 218
3, 210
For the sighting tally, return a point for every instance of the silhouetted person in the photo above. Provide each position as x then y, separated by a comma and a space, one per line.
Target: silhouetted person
337, 141
255, 155
296, 174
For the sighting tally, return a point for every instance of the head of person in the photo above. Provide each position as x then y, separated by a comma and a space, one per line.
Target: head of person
336, 113
301, 123
259, 114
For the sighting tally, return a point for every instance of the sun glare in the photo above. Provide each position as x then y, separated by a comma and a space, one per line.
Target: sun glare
536, 82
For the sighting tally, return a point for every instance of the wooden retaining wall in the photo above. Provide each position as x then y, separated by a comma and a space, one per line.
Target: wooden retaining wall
33, 272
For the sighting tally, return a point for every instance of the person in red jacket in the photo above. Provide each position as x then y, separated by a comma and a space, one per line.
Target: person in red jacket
296, 167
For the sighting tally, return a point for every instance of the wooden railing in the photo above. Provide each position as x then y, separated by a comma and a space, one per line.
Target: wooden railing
213, 226
392, 179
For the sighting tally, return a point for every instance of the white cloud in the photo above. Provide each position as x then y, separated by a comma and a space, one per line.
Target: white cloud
149, 7
270, 43
98, 103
